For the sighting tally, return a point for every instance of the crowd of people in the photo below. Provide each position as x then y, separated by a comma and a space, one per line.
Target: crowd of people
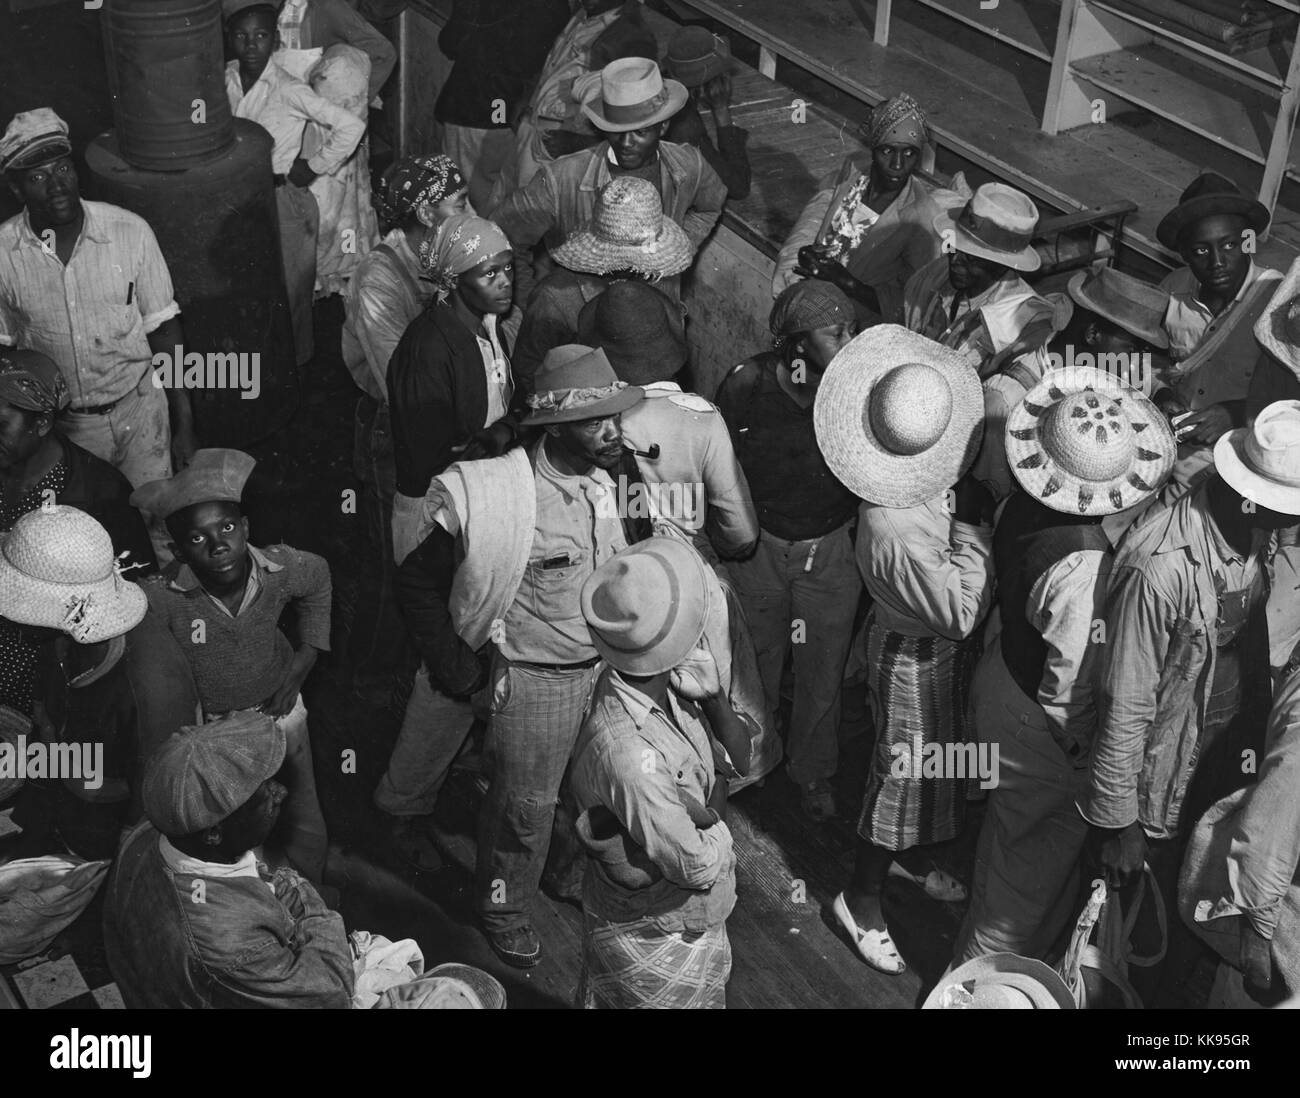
1054, 528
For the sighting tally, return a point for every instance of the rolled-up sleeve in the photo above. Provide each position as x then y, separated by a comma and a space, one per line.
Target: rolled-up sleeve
154, 293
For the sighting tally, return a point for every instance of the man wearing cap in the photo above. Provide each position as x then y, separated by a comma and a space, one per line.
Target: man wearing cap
1214, 302
631, 107
1032, 693
800, 589
85, 284
191, 918
974, 301
506, 545
1122, 329
648, 783
1186, 612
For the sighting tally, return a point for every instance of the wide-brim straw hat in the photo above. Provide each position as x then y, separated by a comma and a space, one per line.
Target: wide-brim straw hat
633, 94
646, 607
1206, 195
575, 383
1136, 306
1001, 981
1262, 462
898, 417
12, 725
1084, 443
998, 223
58, 571
628, 232
1278, 327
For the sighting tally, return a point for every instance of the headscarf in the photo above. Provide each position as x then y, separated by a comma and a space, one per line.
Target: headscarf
31, 380
806, 305
897, 121
416, 181
460, 243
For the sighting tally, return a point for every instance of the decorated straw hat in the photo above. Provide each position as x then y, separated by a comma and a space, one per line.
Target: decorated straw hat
1209, 194
1262, 462
628, 232
997, 223
12, 725
1001, 981
57, 570
1136, 306
1278, 327
633, 94
575, 383
1085, 443
898, 416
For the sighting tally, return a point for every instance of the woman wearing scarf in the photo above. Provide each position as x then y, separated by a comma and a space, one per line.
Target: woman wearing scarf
869, 227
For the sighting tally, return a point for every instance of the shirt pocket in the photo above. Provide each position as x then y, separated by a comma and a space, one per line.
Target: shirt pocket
121, 321
554, 589
1188, 648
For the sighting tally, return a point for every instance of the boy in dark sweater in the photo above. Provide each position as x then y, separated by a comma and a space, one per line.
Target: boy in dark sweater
222, 599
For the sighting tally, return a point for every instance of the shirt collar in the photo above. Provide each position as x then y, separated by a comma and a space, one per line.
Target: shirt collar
185, 579
1219, 543
180, 862
662, 387
1187, 288
91, 229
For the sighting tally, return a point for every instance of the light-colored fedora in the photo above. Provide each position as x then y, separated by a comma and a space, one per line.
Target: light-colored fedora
1278, 327
57, 570
633, 94
1085, 443
1262, 462
628, 232
647, 605
997, 223
575, 383
1001, 981
898, 417
1136, 306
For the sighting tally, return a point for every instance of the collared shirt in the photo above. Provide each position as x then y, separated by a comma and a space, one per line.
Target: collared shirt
578, 529
252, 588
638, 761
1187, 318
93, 316
496, 368
179, 862
283, 105
385, 293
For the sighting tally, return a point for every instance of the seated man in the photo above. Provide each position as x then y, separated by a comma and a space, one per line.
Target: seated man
1121, 326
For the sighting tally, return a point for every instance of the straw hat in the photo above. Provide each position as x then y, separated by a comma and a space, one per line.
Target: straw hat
57, 570
1262, 462
647, 605
1001, 981
898, 416
12, 725
1278, 327
997, 223
1136, 306
633, 94
447, 987
575, 383
628, 232
1206, 195
696, 55
1085, 443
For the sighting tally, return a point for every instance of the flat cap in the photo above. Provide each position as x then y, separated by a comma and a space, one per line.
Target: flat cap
32, 138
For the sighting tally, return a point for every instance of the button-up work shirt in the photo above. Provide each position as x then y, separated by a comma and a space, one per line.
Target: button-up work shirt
496, 368
283, 105
93, 316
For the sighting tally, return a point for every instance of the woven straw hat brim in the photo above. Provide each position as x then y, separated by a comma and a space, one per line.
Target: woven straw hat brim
594, 109
610, 406
844, 432
1271, 327
115, 606
587, 253
1152, 333
1231, 464
1042, 984
1038, 472
1027, 259
12, 725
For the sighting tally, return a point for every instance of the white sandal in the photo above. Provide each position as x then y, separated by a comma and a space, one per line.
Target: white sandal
875, 947
938, 884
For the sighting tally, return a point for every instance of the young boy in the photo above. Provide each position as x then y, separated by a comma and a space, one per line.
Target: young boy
222, 599
262, 91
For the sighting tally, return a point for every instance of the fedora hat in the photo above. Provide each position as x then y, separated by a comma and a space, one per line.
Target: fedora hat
1084, 443
1136, 306
627, 232
1208, 194
639, 329
575, 383
1262, 462
696, 55
58, 570
898, 416
647, 605
633, 95
1278, 327
997, 223
1001, 981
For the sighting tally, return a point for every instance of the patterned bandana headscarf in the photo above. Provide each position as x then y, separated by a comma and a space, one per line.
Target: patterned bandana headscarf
417, 181
460, 243
30, 380
897, 121
806, 305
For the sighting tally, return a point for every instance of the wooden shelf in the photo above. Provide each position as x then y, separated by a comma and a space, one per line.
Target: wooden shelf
1027, 25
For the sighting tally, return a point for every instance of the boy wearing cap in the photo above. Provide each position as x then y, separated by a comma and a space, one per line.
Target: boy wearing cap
85, 284
222, 599
649, 784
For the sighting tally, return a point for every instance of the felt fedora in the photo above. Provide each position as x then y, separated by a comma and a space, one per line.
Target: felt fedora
1206, 195
1001, 981
627, 232
1084, 443
1278, 327
639, 329
696, 55
647, 605
997, 223
633, 94
1136, 306
575, 383
1262, 462
898, 417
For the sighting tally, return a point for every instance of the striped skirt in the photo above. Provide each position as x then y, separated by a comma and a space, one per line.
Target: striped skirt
920, 690
637, 966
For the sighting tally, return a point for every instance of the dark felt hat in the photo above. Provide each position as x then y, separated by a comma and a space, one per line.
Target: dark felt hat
1209, 194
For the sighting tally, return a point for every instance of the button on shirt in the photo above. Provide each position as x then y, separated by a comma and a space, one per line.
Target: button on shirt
93, 316
497, 369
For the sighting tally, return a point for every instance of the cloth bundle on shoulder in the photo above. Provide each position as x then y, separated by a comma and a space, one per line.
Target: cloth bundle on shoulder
39, 897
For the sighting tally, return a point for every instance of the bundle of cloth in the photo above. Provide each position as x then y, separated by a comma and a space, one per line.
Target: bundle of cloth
1231, 25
